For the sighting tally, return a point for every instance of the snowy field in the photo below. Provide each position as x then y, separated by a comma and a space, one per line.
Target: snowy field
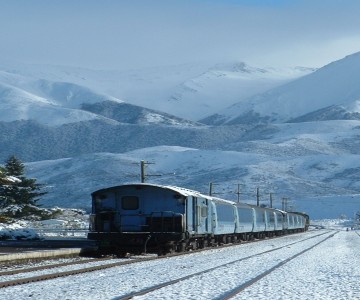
330, 270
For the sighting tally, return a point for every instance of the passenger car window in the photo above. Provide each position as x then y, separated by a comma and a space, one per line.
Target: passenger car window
129, 202
225, 213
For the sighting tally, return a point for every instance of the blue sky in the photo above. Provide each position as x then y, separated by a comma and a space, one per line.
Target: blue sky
111, 34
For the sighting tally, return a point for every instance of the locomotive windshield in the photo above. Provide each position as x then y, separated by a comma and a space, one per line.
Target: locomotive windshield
103, 202
130, 202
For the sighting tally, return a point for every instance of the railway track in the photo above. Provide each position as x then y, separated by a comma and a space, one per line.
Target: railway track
51, 266
101, 266
59, 274
233, 292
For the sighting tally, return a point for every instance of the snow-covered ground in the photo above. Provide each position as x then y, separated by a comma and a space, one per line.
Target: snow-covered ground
328, 271
68, 222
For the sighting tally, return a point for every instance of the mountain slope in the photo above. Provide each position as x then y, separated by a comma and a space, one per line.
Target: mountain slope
133, 114
21, 105
57, 103
225, 84
332, 92
31, 141
297, 162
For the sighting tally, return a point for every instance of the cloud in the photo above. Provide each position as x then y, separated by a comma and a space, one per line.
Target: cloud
133, 34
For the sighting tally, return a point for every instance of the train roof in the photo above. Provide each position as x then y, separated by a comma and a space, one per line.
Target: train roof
180, 190
188, 192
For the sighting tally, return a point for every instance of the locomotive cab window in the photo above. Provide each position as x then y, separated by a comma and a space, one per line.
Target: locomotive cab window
130, 202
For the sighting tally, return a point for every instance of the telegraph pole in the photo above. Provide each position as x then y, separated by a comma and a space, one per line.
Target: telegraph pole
284, 204
238, 193
257, 197
211, 186
142, 171
143, 174
271, 200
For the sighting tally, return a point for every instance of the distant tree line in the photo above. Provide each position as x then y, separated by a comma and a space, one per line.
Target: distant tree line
18, 194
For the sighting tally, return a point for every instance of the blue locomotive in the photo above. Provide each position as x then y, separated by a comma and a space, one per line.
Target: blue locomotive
143, 217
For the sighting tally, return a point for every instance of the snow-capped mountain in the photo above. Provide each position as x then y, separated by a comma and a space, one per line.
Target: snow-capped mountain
78, 132
189, 91
224, 84
51, 112
330, 93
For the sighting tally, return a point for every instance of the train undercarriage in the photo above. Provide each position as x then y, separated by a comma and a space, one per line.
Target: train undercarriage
123, 244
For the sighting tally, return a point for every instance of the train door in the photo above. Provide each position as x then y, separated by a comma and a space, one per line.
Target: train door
128, 218
201, 212
190, 220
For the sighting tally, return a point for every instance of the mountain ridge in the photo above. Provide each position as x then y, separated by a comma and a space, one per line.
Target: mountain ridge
334, 85
171, 89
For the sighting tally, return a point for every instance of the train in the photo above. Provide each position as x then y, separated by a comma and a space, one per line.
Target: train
150, 218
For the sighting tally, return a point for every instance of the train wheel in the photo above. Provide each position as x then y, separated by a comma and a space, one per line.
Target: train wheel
201, 244
193, 245
206, 243
169, 248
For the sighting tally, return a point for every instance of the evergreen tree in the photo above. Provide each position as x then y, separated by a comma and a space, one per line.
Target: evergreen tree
5, 184
14, 167
23, 193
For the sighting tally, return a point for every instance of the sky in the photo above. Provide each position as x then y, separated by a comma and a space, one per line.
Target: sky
127, 34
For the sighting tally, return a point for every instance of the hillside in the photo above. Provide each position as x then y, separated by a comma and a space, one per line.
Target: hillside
314, 169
